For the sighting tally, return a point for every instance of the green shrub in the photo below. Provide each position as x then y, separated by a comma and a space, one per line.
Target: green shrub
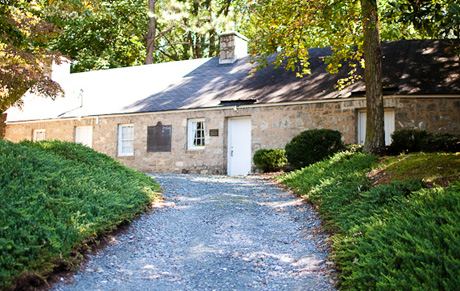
270, 160
51, 204
408, 140
414, 140
441, 143
311, 146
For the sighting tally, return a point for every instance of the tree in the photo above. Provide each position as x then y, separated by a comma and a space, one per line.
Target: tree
108, 34
431, 18
435, 18
351, 28
24, 55
117, 33
151, 34
185, 29
375, 134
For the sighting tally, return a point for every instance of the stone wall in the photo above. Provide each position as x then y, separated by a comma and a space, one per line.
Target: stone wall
437, 115
272, 127
63, 129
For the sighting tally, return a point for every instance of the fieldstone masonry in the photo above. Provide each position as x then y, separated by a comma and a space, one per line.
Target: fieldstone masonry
272, 127
232, 47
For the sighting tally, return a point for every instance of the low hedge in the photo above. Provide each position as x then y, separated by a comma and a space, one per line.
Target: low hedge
270, 160
54, 197
401, 236
311, 146
414, 140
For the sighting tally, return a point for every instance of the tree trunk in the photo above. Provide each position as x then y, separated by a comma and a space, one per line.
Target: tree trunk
375, 135
212, 43
151, 34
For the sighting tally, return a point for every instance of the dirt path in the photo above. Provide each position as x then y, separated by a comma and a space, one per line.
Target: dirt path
218, 233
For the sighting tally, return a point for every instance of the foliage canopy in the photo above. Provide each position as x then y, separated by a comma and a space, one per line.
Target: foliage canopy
117, 33
290, 28
24, 53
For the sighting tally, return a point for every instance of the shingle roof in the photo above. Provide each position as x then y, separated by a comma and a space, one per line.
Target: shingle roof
413, 67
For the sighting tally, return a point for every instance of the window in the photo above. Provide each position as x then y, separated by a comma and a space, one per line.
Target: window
39, 134
126, 140
196, 138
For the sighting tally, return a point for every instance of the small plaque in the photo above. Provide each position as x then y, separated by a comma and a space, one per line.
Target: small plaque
213, 132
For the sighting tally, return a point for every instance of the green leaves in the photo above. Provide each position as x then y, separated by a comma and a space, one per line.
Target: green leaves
107, 35
24, 53
311, 146
269, 160
290, 28
111, 34
435, 19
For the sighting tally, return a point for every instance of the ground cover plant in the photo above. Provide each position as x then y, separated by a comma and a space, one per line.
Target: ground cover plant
403, 234
54, 198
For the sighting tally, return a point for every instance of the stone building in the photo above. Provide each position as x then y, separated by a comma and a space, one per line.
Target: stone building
209, 116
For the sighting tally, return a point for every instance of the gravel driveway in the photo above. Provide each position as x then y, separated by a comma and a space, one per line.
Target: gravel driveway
215, 233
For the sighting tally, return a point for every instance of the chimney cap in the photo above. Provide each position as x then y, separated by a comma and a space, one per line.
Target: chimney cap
234, 33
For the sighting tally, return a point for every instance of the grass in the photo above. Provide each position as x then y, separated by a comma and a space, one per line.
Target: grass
432, 168
394, 227
55, 198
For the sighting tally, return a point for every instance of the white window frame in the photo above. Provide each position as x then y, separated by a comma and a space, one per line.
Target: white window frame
192, 131
38, 133
122, 152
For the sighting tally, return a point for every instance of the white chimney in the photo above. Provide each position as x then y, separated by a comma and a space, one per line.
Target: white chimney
233, 46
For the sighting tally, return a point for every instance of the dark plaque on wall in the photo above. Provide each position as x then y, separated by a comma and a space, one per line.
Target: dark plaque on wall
159, 138
213, 132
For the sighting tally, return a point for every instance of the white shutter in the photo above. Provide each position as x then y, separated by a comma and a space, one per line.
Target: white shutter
84, 135
389, 125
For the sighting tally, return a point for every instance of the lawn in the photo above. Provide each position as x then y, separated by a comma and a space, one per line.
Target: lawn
55, 198
394, 221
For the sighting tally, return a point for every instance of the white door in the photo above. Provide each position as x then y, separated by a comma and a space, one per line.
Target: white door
389, 126
239, 146
84, 135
